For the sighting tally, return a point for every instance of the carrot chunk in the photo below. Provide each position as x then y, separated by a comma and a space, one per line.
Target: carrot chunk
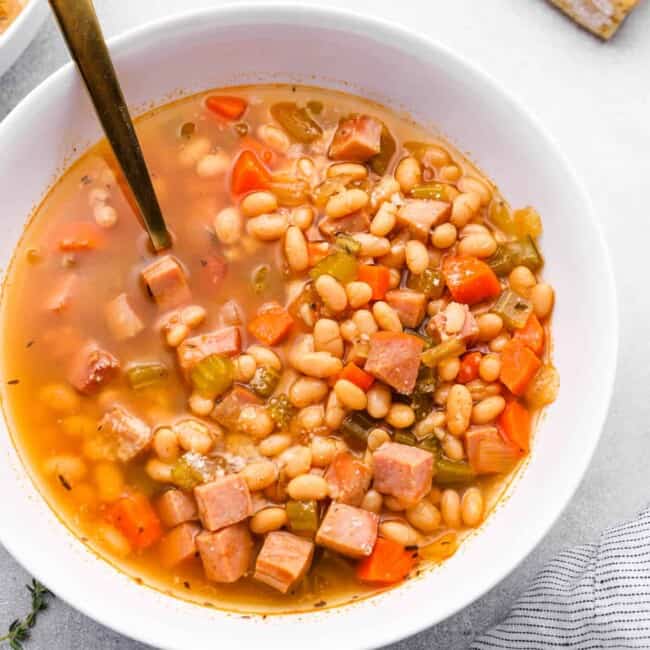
79, 236
248, 174
136, 519
470, 280
232, 108
519, 364
469, 364
317, 250
377, 276
271, 326
389, 562
532, 334
364, 380
515, 422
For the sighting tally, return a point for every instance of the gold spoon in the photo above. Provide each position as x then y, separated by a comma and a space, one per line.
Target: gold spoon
81, 31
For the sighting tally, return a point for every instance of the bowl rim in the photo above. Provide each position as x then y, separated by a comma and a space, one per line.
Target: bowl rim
285, 12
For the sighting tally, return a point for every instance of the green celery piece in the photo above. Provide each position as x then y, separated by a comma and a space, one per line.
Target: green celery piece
296, 122
453, 472
212, 376
449, 348
513, 309
339, 265
281, 410
430, 282
264, 381
433, 191
144, 375
302, 516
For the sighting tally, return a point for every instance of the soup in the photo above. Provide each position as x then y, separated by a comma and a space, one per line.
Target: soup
323, 386
9, 10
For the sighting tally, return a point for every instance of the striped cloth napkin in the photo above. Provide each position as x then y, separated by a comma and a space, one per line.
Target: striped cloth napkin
590, 597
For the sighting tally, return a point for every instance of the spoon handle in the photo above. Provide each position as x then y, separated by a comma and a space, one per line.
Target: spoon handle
83, 35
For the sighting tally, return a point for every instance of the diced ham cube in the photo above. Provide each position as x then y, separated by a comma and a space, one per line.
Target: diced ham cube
394, 358
166, 281
402, 471
179, 544
226, 554
283, 560
409, 305
226, 341
226, 412
124, 435
223, 502
121, 319
348, 479
348, 530
446, 322
358, 221
175, 507
420, 215
91, 368
63, 293
357, 138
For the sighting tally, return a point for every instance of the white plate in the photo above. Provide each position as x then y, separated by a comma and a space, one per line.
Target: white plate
265, 43
21, 32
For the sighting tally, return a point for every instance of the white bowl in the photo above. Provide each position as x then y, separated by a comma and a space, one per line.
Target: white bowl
249, 44
21, 32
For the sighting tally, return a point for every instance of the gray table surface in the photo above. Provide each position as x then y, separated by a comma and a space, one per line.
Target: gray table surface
595, 99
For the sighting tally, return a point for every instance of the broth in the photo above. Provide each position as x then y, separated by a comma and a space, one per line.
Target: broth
84, 248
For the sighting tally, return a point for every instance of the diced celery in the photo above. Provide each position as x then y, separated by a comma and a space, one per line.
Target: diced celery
144, 375
434, 191
193, 469
430, 282
281, 410
296, 122
449, 348
427, 380
348, 244
260, 278
453, 472
212, 376
500, 215
441, 548
264, 381
358, 425
330, 186
302, 516
379, 162
522, 252
339, 265
405, 438
513, 309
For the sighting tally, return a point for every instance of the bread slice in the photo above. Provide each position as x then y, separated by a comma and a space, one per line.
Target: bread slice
601, 17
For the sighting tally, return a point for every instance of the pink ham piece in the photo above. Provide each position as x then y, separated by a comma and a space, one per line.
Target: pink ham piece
284, 560
226, 341
348, 479
178, 545
226, 554
61, 298
223, 502
175, 507
357, 138
122, 321
348, 530
167, 283
394, 358
469, 330
402, 471
226, 412
123, 436
409, 305
420, 215
91, 368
